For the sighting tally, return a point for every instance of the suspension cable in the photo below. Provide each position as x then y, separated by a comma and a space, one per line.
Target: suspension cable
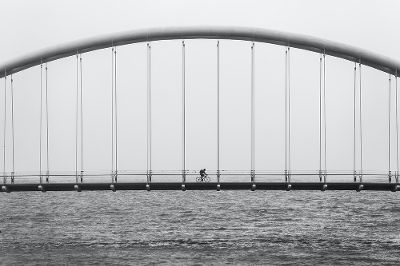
389, 124
78, 111
252, 115
354, 122
320, 117
148, 112
80, 56
397, 132
112, 113
183, 112
361, 142
218, 167
289, 134
325, 116
116, 117
286, 67
12, 129
77, 117
5, 126
41, 122
47, 127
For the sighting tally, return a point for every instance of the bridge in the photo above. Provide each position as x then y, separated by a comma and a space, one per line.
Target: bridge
19, 158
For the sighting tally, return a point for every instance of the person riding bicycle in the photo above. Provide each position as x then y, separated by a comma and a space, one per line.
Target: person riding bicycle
203, 176
203, 173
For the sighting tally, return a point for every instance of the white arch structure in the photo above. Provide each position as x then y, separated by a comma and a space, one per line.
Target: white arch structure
300, 41
304, 42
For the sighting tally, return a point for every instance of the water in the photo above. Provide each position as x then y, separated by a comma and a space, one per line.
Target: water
200, 227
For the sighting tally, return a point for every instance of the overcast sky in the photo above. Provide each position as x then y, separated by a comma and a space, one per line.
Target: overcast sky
33, 25
28, 26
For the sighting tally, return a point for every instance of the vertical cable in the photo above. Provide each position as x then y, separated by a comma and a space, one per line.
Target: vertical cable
148, 112
286, 55
116, 116
76, 117
47, 128
41, 122
80, 56
289, 135
252, 116
361, 142
354, 122
389, 124
5, 127
325, 117
112, 113
218, 169
320, 117
12, 130
78, 110
183, 113
397, 135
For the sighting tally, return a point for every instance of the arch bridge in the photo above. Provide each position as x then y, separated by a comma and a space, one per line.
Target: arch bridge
45, 179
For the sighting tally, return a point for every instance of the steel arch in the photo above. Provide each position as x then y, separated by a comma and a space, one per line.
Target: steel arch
300, 41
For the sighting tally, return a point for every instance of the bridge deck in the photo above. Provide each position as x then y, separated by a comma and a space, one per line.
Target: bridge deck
203, 186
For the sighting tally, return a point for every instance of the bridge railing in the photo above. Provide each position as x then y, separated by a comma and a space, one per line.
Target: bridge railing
176, 176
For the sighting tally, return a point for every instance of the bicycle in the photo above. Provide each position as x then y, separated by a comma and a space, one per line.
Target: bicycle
204, 178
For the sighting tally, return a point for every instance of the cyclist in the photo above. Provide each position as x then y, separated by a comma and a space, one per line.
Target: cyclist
203, 173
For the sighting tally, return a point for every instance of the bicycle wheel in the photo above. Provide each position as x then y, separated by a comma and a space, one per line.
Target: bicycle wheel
198, 179
207, 179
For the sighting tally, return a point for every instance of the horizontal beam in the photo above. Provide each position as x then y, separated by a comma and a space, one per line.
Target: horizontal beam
303, 42
202, 186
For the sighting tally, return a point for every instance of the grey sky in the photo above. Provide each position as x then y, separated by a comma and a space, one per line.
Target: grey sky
32, 25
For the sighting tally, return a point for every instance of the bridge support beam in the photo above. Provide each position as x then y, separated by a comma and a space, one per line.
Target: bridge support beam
283, 186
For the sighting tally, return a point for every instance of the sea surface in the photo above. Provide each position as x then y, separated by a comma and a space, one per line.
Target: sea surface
200, 228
